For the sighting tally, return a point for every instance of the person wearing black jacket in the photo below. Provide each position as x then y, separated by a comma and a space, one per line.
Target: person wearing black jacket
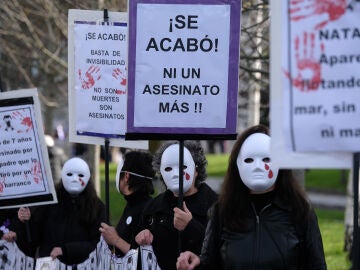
262, 219
163, 220
68, 230
134, 181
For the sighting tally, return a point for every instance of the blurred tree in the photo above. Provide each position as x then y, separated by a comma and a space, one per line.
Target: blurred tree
253, 99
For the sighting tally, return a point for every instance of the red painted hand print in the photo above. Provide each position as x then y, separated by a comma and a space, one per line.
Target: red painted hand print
91, 76
308, 68
36, 172
2, 185
120, 75
302, 9
25, 121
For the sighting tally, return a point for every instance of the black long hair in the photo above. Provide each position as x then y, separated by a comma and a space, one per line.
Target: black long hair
87, 201
139, 162
234, 198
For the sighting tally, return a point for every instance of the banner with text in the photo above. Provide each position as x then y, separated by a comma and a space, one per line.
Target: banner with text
321, 75
98, 78
25, 175
183, 66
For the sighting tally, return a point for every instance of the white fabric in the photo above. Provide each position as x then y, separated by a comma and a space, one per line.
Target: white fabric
169, 168
254, 163
118, 171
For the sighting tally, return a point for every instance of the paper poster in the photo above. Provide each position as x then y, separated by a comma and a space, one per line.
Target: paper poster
284, 154
25, 174
183, 66
46, 263
321, 75
100, 64
98, 78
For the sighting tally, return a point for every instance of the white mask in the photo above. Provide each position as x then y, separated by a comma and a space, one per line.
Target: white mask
75, 175
169, 168
254, 163
118, 171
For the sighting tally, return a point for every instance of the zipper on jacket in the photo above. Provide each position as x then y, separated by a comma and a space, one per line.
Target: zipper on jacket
257, 245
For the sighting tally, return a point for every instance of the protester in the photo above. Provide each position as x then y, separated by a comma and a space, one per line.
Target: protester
68, 230
163, 222
7, 226
134, 181
262, 219
14, 228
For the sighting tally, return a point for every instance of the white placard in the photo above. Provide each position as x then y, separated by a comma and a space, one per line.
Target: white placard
284, 155
98, 78
25, 174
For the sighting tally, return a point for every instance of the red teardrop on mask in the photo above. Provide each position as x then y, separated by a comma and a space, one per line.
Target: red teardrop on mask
270, 175
82, 182
266, 166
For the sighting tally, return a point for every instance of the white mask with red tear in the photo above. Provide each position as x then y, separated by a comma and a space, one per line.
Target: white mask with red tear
169, 168
254, 163
75, 175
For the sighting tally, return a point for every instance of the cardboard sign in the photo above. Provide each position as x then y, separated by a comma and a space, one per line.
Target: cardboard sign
98, 78
307, 118
25, 174
183, 66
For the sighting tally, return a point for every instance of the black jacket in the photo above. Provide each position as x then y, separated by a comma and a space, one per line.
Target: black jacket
58, 225
159, 219
130, 218
272, 242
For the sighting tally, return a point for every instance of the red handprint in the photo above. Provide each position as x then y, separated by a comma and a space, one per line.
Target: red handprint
301, 9
2, 185
25, 121
91, 75
306, 64
36, 172
120, 75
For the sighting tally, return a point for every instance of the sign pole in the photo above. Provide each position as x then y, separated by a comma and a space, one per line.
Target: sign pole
107, 197
181, 183
355, 243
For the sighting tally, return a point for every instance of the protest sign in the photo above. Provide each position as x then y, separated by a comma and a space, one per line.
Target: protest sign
98, 78
183, 67
314, 85
25, 174
322, 76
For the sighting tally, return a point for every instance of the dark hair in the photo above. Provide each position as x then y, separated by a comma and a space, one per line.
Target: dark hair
139, 162
197, 153
234, 196
87, 201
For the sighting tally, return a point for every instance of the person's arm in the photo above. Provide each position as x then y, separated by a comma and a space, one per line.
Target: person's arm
210, 257
313, 251
112, 238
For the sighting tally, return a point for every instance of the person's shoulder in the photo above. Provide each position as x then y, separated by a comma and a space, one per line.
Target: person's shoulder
208, 191
157, 203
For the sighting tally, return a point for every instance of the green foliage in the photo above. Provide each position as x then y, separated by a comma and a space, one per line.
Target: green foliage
116, 200
326, 180
331, 223
217, 164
